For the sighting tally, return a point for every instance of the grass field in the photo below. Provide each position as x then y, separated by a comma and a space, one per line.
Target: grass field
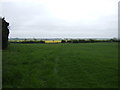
83, 65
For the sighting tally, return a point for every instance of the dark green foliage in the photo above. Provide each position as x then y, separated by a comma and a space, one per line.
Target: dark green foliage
82, 41
69, 41
63, 41
5, 33
42, 41
113, 40
32, 41
89, 40
75, 41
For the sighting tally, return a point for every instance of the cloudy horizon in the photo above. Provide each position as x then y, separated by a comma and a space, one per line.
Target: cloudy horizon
61, 18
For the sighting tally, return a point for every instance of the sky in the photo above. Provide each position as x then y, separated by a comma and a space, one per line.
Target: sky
61, 18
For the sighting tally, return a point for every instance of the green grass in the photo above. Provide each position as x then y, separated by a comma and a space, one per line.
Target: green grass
84, 65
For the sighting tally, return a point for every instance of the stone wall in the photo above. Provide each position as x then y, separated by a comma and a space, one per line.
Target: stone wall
5, 33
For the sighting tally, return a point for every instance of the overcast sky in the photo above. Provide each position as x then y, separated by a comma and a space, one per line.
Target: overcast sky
61, 18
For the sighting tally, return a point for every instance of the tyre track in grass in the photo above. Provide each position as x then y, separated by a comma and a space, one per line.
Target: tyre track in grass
56, 72
57, 77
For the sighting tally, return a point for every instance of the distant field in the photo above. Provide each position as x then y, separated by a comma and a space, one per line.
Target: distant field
83, 65
45, 41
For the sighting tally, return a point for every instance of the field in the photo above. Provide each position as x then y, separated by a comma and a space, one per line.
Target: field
35, 41
83, 65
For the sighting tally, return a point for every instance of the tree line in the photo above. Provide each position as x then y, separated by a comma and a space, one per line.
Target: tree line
66, 41
4, 30
89, 40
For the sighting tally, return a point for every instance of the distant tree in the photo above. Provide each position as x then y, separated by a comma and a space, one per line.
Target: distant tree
75, 41
91, 40
41, 41
35, 39
113, 40
5, 33
69, 41
63, 41
81, 41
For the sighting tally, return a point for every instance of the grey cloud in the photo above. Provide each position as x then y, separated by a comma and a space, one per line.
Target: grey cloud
35, 20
